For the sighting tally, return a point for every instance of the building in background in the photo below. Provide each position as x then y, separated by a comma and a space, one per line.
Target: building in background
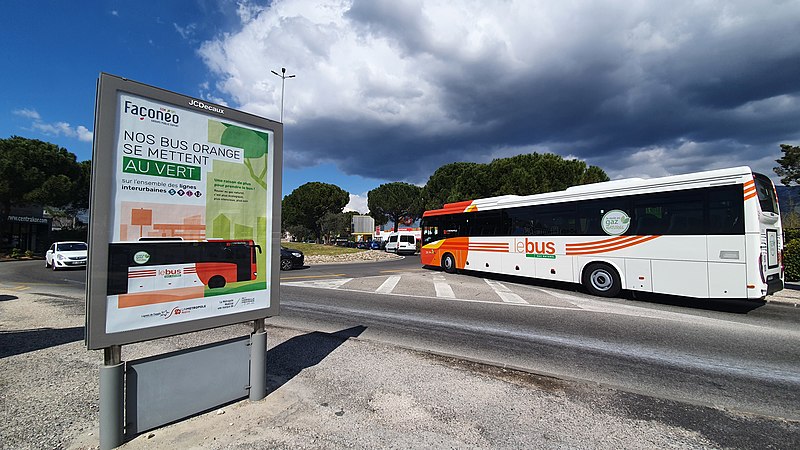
362, 228
25, 229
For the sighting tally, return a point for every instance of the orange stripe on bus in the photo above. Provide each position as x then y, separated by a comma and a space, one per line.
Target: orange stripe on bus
748, 197
640, 240
451, 208
603, 243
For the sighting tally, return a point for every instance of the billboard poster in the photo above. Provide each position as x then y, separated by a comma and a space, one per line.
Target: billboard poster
190, 195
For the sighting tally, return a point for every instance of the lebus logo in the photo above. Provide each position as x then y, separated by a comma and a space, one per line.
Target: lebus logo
170, 273
535, 249
160, 115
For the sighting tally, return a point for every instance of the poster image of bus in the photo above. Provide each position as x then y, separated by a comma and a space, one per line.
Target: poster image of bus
189, 224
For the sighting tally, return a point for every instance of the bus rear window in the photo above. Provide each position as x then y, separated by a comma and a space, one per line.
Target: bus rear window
766, 194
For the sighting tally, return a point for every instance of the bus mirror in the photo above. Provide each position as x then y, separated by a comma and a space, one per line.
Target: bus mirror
258, 247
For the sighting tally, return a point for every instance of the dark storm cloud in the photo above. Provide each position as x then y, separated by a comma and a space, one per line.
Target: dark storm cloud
639, 89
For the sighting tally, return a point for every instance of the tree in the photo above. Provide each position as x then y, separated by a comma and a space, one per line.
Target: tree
336, 224
65, 216
37, 172
309, 203
299, 232
441, 186
789, 169
518, 175
393, 201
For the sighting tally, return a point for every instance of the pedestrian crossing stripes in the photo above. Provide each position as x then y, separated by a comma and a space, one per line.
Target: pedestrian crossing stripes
388, 286
445, 287
443, 290
504, 292
334, 283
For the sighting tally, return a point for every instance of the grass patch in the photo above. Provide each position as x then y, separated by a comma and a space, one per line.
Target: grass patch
235, 288
320, 249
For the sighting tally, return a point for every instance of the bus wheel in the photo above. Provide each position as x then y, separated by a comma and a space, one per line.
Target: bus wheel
217, 281
601, 280
449, 263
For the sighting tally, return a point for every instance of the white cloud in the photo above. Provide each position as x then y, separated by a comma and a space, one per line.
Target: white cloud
187, 32
84, 134
621, 83
357, 203
80, 132
29, 113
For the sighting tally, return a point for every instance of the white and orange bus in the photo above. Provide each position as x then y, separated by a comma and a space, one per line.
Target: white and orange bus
714, 234
157, 271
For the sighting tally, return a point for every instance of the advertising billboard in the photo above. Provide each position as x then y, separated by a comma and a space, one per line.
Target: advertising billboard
185, 215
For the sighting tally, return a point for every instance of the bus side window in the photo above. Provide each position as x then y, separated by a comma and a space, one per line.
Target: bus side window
675, 214
590, 213
725, 210
521, 221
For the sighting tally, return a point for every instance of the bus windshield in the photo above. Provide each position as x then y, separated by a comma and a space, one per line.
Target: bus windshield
766, 194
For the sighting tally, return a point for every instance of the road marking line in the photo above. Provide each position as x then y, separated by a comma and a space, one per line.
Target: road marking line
305, 277
335, 283
443, 290
504, 292
388, 286
21, 288
402, 271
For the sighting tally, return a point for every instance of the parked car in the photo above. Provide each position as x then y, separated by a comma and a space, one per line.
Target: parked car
401, 242
364, 245
375, 245
291, 259
61, 255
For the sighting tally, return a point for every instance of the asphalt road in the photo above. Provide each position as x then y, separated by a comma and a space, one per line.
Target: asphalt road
741, 356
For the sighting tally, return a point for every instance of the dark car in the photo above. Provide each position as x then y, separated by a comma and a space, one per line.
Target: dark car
375, 245
364, 245
291, 259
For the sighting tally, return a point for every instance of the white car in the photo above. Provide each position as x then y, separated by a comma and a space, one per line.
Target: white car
66, 254
401, 242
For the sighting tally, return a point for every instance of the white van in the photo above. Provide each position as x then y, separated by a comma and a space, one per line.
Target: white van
402, 242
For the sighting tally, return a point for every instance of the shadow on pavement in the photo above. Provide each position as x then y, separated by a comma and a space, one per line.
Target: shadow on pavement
289, 358
24, 341
736, 306
4, 298
729, 305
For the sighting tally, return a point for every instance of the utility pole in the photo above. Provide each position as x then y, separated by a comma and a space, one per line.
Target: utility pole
283, 85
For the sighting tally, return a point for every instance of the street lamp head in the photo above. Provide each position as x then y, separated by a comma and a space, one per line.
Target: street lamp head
283, 82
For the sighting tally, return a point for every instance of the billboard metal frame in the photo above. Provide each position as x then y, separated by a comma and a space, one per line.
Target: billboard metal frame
105, 138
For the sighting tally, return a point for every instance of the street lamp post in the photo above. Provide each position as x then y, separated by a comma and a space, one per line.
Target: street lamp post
283, 85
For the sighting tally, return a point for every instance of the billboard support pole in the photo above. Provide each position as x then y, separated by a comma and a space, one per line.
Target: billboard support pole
112, 394
258, 361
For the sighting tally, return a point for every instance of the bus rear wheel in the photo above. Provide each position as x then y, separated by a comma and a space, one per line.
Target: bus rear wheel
449, 263
217, 281
601, 280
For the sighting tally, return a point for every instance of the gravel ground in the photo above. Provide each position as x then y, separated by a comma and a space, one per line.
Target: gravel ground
328, 391
365, 256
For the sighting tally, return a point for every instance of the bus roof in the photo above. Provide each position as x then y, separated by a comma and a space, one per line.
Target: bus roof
628, 186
